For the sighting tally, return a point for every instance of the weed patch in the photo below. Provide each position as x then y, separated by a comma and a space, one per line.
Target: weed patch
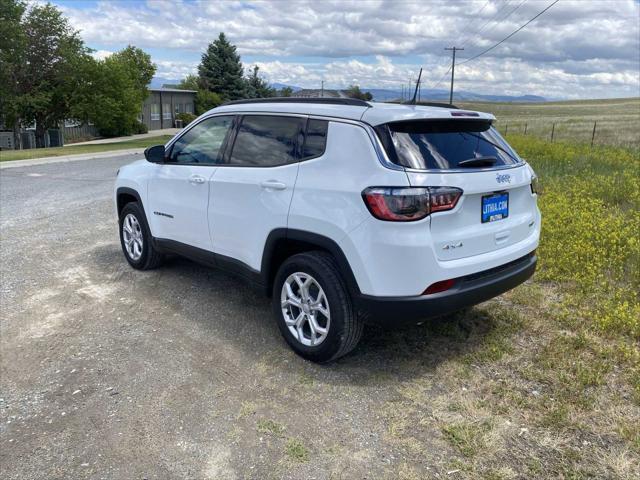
296, 450
468, 437
270, 427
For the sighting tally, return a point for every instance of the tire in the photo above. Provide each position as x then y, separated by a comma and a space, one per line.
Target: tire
326, 288
146, 257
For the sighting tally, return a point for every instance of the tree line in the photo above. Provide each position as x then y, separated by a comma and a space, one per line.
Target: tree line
48, 75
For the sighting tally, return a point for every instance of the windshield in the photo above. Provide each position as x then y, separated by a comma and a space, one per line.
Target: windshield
447, 144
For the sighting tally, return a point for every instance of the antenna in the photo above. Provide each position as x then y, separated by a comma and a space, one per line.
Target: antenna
415, 93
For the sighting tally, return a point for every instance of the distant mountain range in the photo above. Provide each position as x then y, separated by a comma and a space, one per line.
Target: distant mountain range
382, 95
459, 95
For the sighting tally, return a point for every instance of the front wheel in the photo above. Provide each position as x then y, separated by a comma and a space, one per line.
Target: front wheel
135, 238
313, 308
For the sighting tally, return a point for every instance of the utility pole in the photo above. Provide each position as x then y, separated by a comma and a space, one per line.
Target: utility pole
453, 69
415, 92
322, 89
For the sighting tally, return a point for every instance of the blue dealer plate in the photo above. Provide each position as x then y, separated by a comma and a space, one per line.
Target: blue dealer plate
495, 207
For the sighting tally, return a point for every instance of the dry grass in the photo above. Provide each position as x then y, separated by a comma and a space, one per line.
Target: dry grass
618, 120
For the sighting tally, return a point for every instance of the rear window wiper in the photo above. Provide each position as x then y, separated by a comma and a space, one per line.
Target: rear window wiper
478, 162
480, 137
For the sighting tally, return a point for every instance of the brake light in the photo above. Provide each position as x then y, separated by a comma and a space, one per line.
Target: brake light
444, 198
465, 114
407, 204
440, 286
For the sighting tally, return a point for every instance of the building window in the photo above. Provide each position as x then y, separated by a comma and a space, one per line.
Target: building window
166, 111
188, 108
155, 111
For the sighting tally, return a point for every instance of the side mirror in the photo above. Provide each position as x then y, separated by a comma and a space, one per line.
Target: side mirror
155, 154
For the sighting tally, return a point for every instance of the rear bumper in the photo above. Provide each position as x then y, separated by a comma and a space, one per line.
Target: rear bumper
469, 290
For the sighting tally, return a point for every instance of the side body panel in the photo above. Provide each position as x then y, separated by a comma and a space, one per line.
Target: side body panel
178, 197
328, 196
245, 205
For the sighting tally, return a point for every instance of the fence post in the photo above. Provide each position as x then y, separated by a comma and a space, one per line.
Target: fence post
553, 130
506, 129
525, 128
593, 134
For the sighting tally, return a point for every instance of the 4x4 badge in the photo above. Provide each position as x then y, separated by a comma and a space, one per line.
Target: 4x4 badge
504, 178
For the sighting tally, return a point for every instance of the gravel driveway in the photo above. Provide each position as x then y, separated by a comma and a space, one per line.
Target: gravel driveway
181, 372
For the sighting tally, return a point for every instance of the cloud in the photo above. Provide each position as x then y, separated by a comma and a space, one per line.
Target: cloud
377, 43
101, 54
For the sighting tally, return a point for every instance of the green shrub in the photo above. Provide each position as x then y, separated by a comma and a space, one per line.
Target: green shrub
140, 127
186, 118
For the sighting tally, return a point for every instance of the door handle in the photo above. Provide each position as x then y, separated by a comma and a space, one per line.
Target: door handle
273, 185
197, 179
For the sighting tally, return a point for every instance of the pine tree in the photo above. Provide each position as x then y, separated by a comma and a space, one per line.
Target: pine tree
257, 87
221, 71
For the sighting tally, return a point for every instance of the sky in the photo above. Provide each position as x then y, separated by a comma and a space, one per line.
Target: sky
577, 49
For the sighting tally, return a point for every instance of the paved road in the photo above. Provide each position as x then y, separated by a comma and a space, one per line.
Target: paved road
107, 372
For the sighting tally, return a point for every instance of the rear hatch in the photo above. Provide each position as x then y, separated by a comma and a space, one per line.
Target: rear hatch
497, 207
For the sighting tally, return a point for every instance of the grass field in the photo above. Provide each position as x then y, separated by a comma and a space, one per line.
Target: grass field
6, 155
553, 388
618, 120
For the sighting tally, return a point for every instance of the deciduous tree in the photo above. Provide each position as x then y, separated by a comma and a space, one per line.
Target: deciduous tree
44, 67
12, 45
119, 90
354, 92
286, 92
205, 100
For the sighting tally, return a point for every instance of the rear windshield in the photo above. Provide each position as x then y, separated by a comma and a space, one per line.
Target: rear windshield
444, 145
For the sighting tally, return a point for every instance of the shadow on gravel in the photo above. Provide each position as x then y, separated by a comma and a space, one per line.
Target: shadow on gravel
219, 301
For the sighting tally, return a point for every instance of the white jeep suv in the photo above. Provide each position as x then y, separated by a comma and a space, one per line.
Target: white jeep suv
343, 211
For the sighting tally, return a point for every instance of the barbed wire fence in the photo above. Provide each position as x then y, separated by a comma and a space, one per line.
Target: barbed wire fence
582, 131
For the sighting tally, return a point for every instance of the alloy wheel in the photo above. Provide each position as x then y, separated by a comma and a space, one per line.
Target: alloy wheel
305, 309
132, 237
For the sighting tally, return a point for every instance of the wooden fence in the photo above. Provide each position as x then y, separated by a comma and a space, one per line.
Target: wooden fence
79, 133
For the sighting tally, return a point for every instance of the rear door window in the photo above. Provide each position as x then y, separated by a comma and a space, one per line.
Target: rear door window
267, 141
444, 145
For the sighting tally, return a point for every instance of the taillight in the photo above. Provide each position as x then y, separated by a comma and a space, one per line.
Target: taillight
444, 198
407, 204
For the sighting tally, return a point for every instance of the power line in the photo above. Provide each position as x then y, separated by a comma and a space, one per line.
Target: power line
441, 78
493, 18
497, 22
469, 35
473, 17
508, 36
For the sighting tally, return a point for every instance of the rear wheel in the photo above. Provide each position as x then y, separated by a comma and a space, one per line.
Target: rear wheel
313, 308
136, 240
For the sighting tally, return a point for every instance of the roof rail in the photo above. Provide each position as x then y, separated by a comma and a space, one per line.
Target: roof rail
326, 101
436, 104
